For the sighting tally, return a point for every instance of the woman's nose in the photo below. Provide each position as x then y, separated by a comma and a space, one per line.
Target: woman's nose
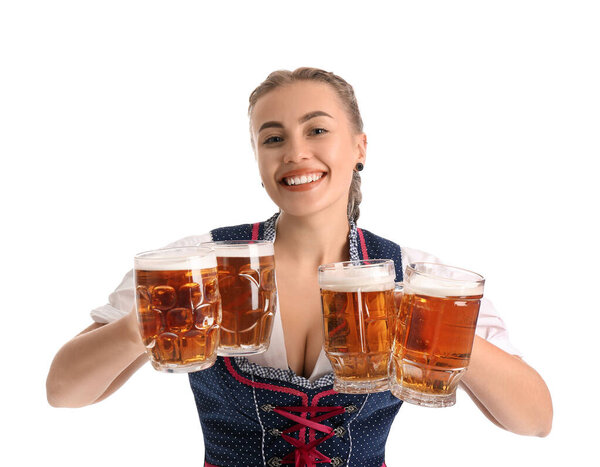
297, 151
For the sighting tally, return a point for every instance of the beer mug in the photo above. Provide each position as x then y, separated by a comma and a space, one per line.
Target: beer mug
178, 307
246, 270
358, 318
435, 333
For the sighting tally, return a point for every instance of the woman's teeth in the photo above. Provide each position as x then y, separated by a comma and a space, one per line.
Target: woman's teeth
302, 179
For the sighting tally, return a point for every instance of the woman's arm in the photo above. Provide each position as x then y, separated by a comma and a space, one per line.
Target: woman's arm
95, 363
508, 391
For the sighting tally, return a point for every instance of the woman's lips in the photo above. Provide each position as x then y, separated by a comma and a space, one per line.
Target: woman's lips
302, 182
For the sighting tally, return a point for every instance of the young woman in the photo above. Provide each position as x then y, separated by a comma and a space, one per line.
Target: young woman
279, 407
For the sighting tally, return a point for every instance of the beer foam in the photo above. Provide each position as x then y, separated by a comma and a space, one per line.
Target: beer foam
176, 259
353, 280
438, 287
241, 250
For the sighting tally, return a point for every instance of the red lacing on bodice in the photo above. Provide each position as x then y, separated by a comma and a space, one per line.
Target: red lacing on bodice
306, 454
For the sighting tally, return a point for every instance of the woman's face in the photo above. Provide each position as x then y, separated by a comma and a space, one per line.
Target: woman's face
306, 147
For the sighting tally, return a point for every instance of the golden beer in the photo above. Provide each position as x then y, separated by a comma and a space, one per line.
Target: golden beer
358, 317
178, 307
435, 333
246, 271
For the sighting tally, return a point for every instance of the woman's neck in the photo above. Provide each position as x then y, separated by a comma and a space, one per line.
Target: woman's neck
316, 239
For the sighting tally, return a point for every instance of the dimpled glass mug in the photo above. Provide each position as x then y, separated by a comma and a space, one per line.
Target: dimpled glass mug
178, 307
246, 271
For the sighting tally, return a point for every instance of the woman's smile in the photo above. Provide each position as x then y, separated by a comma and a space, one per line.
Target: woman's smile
302, 180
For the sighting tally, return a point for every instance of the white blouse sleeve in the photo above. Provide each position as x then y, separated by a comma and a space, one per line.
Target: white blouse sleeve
489, 324
122, 300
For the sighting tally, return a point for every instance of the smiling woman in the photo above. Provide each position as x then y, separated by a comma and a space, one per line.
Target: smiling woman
325, 89
307, 136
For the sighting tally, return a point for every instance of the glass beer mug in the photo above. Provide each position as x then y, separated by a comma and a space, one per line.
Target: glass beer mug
246, 270
178, 307
434, 334
358, 317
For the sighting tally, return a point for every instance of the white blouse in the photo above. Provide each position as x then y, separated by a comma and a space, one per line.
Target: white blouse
489, 324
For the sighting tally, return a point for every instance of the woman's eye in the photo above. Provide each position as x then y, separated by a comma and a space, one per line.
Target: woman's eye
273, 139
318, 131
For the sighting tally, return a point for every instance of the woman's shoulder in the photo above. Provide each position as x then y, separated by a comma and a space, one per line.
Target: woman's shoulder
263, 230
231, 232
380, 246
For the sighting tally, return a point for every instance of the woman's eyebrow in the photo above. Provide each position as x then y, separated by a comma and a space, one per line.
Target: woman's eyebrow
316, 113
303, 119
266, 125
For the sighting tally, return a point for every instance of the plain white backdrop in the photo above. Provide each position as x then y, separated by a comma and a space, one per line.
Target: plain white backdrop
123, 127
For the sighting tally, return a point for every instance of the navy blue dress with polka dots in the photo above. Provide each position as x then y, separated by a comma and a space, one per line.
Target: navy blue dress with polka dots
258, 416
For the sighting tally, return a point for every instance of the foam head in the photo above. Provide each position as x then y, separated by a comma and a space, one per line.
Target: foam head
176, 259
241, 248
438, 280
366, 276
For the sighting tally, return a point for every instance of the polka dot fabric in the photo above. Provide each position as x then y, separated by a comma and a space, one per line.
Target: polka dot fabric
380, 248
238, 232
236, 400
241, 429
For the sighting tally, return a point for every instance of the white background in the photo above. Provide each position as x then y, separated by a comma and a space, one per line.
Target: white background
123, 127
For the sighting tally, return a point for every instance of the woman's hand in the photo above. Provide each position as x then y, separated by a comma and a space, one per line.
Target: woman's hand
508, 391
95, 363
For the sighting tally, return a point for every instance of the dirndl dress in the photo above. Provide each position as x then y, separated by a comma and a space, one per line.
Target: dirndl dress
253, 415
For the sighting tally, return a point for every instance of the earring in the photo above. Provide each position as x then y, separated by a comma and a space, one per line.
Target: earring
359, 167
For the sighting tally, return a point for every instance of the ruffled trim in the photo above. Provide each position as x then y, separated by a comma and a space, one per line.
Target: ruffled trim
286, 376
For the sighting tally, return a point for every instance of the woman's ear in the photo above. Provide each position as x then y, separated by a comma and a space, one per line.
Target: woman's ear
361, 145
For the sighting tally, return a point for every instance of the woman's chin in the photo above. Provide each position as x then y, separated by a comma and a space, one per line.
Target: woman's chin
314, 209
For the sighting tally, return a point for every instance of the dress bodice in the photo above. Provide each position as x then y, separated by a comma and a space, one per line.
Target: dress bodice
259, 415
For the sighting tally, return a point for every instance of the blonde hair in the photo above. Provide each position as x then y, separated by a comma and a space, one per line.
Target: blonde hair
346, 94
